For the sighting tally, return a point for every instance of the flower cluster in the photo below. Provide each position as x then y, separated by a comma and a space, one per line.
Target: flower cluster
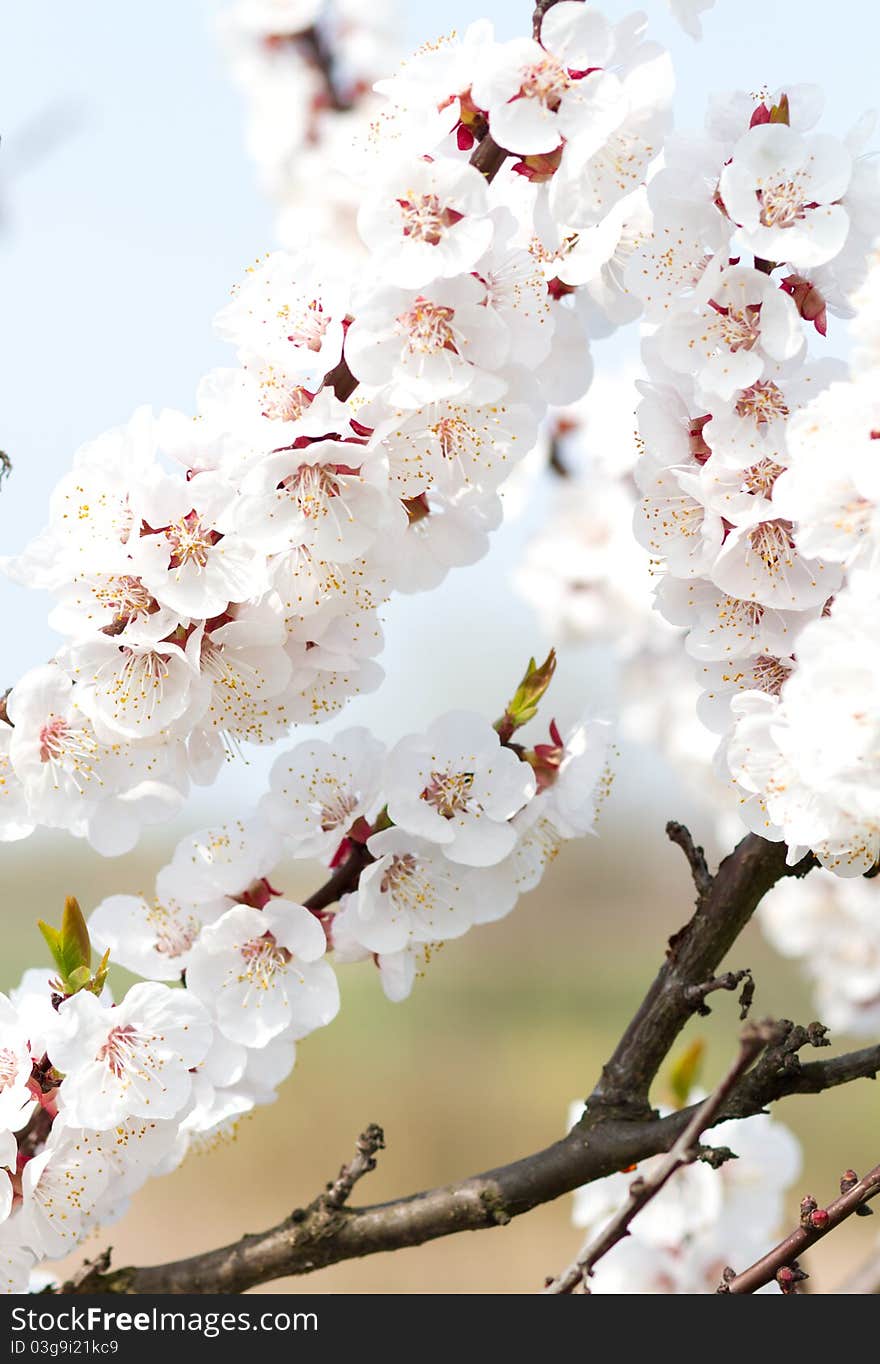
702, 1220
745, 499
218, 580
438, 835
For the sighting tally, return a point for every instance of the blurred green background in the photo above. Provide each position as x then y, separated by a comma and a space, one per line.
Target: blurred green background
477, 1068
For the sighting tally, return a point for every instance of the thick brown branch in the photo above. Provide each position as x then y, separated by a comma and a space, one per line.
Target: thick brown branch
595, 1147
783, 1258
693, 955
684, 1151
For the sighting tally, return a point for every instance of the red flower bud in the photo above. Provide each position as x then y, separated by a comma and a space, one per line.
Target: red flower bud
808, 301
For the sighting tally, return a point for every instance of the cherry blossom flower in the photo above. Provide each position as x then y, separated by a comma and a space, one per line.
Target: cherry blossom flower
131, 1060
220, 863
438, 343
60, 1188
536, 94
15, 1068
318, 791
129, 688
411, 893
184, 557
425, 222
701, 1220
287, 319
151, 937
783, 190
458, 787
726, 342
260, 973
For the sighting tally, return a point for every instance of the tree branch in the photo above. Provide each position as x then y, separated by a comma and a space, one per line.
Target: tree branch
694, 953
681, 835
780, 1263
610, 1136
343, 879
595, 1147
696, 994
368, 1143
541, 9
684, 1151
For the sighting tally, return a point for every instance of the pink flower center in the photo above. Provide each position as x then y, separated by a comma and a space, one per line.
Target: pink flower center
125, 596
263, 958
307, 324
736, 614
426, 220
119, 1052
740, 328
8, 1069
546, 81
760, 478
399, 870
53, 738
174, 934
772, 542
286, 405
191, 542
449, 792
770, 674
785, 203
763, 402
428, 327
311, 487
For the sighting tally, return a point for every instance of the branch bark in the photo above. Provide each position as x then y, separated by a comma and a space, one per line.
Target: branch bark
724, 907
595, 1147
780, 1263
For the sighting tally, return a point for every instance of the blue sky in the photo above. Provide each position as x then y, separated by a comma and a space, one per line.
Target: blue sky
118, 247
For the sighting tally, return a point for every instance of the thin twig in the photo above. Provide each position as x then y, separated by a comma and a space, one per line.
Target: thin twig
371, 1140
696, 994
782, 1260
681, 835
684, 1151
